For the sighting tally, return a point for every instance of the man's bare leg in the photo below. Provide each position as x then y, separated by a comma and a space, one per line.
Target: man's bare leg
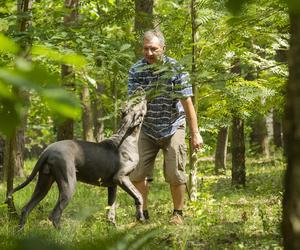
178, 192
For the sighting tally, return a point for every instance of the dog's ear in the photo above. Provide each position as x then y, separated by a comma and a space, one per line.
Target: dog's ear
124, 108
139, 93
138, 96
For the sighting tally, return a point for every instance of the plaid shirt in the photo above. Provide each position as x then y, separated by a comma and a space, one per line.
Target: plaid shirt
165, 85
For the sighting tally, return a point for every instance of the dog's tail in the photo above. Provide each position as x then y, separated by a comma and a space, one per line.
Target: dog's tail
34, 172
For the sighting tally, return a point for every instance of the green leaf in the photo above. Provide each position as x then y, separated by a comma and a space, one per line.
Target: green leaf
4, 25
74, 59
5, 91
71, 58
39, 50
14, 78
8, 45
62, 102
125, 47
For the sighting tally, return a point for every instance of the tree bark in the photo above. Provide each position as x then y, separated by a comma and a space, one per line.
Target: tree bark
259, 136
193, 167
65, 130
143, 15
2, 145
24, 8
291, 196
277, 129
115, 100
10, 161
221, 150
14, 146
238, 153
142, 22
87, 117
98, 114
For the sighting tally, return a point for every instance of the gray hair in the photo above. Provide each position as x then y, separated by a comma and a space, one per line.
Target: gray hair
154, 33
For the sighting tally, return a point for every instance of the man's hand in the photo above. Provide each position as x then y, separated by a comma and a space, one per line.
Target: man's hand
196, 141
196, 138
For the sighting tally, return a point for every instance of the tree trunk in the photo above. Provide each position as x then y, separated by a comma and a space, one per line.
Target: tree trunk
142, 22
259, 136
2, 144
14, 146
143, 15
291, 197
87, 117
277, 129
238, 152
65, 130
13, 159
115, 100
10, 162
23, 23
20, 148
193, 167
221, 150
98, 114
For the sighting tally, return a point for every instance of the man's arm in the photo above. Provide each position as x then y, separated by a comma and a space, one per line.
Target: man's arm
191, 117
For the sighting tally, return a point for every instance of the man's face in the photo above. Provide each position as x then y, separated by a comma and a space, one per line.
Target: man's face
153, 50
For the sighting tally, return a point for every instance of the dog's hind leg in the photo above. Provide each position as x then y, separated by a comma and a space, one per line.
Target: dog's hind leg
66, 185
42, 187
111, 213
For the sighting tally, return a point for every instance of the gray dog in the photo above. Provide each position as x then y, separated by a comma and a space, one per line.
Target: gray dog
107, 164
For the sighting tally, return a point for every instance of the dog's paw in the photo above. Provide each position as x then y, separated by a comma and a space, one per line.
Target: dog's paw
140, 217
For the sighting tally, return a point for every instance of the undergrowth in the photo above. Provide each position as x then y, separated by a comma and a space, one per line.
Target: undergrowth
223, 217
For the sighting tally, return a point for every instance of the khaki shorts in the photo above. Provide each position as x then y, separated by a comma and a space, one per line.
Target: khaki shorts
174, 151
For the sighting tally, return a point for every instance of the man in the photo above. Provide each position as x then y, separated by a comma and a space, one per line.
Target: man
169, 105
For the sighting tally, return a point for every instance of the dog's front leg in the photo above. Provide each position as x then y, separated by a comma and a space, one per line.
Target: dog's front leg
111, 213
125, 183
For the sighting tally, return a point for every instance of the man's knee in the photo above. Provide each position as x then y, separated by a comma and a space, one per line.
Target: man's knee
176, 178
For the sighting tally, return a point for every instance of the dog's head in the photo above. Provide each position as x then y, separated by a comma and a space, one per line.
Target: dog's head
135, 109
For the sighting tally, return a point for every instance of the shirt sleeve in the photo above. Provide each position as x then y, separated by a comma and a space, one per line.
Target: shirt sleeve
182, 85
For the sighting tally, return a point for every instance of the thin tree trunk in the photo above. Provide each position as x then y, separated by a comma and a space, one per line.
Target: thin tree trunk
238, 153
87, 117
221, 150
277, 129
291, 196
10, 157
115, 99
19, 137
65, 130
2, 145
259, 136
193, 167
98, 114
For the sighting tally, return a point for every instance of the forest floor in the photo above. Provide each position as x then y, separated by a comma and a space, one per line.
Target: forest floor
224, 217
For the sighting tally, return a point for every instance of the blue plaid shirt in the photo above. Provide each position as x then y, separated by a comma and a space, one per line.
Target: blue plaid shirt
165, 85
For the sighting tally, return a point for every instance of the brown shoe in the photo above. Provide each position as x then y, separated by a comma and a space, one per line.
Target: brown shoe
176, 219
